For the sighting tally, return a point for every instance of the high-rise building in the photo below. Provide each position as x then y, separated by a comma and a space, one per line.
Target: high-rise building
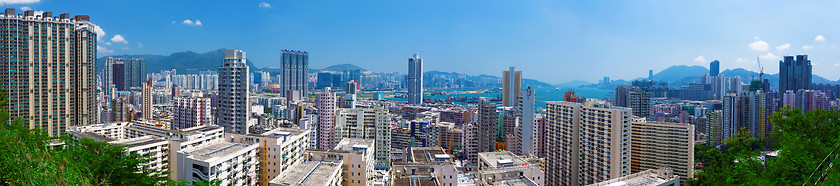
714, 68
486, 125
148, 106
293, 71
118, 70
527, 128
188, 112
713, 128
586, 142
350, 90
234, 102
794, 74
731, 116
52, 84
511, 86
326, 104
415, 80
655, 145
368, 123
650, 74
135, 72
634, 98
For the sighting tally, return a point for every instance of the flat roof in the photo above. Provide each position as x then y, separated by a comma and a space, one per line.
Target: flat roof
514, 182
135, 142
308, 173
426, 154
648, 177
215, 149
492, 158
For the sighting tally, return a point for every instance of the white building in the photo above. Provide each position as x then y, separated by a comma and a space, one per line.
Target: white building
230, 163
504, 166
366, 124
234, 102
189, 112
357, 157
311, 173
279, 150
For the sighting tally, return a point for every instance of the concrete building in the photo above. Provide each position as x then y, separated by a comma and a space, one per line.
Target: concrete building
586, 142
357, 157
451, 137
415, 80
713, 128
527, 129
294, 67
49, 83
634, 98
496, 168
148, 106
230, 163
311, 173
652, 177
189, 112
429, 166
279, 150
656, 145
369, 123
511, 87
714, 68
234, 102
326, 104
795, 74
486, 125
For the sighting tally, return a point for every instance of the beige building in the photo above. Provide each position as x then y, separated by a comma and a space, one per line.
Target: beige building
311, 173
428, 166
366, 123
656, 145
279, 150
357, 158
498, 168
49, 69
586, 142
230, 163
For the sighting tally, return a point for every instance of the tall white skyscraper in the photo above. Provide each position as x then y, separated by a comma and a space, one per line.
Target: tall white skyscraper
527, 128
326, 104
233, 93
415, 80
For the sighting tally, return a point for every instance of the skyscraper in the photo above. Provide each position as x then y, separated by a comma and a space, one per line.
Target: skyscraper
366, 123
486, 125
634, 98
118, 71
326, 104
794, 74
586, 142
714, 68
527, 128
52, 84
188, 112
234, 104
415, 80
655, 145
293, 71
135, 72
148, 108
511, 86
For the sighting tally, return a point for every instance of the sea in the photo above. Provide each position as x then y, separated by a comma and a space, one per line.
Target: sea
543, 94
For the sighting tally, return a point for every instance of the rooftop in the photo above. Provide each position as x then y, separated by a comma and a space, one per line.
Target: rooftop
649, 177
135, 142
352, 144
308, 173
514, 182
503, 159
428, 154
215, 149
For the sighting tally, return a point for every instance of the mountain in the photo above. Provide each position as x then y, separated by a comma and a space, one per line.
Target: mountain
180, 61
676, 73
483, 79
575, 83
338, 68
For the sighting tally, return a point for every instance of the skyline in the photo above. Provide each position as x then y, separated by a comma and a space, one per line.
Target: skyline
458, 36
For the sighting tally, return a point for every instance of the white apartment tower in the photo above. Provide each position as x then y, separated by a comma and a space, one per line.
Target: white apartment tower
372, 123
148, 106
234, 102
188, 112
527, 127
415, 80
326, 104
586, 142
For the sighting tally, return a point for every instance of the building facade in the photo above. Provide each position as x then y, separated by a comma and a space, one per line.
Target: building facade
656, 145
415, 80
189, 112
293, 71
372, 123
326, 104
234, 102
511, 87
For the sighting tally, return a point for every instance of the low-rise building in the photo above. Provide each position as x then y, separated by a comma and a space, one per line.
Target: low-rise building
279, 149
357, 157
230, 163
428, 166
502, 167
311, 173
652, 177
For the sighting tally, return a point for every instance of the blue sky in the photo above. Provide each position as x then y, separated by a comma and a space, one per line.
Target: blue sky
552, 41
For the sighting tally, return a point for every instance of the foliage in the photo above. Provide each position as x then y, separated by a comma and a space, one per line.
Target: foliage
28, 158
806, 141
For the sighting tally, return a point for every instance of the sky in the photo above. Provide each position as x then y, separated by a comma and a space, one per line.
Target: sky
551, 41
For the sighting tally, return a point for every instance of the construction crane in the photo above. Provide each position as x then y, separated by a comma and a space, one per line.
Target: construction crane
760, 69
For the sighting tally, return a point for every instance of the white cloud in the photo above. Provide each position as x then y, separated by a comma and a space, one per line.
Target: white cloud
102, 49
770, 56
700, 59
837, 64
815, 63
140, 45
99, 33
759, 45
190, 22
807, 47
107, 43
25, 8
783, 47
125, 48
819, 38
119, 39
18, 1
265, 5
